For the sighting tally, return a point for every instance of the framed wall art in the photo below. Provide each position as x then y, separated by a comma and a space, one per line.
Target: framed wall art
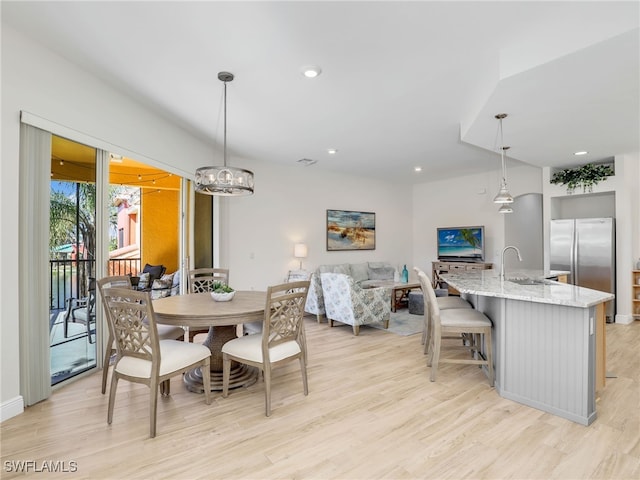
347, 230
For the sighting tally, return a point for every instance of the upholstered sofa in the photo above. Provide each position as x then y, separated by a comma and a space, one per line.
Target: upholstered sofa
347, 302
154, 279
366, 274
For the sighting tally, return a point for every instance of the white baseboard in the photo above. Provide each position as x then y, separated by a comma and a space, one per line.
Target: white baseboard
624, 319
11, 408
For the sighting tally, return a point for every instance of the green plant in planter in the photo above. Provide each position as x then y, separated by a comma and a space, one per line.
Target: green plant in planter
221, 287
586, 177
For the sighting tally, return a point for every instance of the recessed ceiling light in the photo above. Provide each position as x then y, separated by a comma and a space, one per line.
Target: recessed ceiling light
332, 151
581, 153
417, 169
311, 71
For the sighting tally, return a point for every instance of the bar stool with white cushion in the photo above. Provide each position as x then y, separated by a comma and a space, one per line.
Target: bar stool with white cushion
444, 303
458, 321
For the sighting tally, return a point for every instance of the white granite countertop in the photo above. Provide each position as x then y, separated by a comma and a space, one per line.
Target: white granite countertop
536, 287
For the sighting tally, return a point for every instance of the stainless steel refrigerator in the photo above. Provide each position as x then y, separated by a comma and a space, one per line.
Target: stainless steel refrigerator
586, 248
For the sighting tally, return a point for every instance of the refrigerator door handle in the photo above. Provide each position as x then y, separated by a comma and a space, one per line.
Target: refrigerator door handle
575, 256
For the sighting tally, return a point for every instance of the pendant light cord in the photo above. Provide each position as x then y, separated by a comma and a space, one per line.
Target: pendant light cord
224, 155
504, 170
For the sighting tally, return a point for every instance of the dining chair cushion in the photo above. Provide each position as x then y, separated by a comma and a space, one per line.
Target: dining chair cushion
169, 332
250, 347
173, 355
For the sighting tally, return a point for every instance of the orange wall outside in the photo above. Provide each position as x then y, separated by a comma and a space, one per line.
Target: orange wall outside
159, 228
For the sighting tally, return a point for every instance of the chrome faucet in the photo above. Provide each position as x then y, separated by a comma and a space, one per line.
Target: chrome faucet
502, 264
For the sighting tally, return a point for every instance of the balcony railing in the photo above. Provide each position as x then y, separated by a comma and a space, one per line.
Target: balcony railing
69, 278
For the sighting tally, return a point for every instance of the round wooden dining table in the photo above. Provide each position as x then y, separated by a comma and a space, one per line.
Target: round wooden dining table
200, 310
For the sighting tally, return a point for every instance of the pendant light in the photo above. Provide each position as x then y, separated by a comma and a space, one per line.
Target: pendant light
503, 196
223, 180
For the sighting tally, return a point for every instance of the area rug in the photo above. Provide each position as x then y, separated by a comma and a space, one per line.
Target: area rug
402, 323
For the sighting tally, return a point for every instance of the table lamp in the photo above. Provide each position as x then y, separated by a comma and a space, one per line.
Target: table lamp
300, 251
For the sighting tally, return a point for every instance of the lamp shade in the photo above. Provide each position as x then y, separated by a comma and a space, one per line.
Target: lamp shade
503, 195
505, 208
300, 250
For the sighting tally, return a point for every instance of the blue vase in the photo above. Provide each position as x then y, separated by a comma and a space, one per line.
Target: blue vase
405, 275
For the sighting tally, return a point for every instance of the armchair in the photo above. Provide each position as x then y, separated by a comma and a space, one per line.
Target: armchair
315, 299
347, 302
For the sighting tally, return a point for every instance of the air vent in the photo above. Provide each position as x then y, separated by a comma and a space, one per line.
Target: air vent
306, 161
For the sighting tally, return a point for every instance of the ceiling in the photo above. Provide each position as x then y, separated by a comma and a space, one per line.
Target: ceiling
403, 84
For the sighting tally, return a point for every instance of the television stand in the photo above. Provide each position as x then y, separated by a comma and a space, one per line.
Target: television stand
446, 266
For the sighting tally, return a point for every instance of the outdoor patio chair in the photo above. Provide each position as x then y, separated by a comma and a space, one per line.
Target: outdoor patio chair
82, 310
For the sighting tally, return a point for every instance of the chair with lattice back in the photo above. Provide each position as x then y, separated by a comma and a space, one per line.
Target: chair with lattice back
203, 280
141, 356
281, 340
171, 332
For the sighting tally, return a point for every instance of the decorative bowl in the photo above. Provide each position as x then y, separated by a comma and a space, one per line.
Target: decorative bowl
222, 297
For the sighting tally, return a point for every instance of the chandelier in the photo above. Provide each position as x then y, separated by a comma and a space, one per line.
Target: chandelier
224, 180
503, 197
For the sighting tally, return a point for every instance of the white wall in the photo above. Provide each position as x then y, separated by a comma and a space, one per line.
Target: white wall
289, 206
464, 201
44, 84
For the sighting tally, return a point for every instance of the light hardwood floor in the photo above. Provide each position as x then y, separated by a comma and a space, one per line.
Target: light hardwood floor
371, 413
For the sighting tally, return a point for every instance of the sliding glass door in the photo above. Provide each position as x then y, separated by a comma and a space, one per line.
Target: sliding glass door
72, 261
85, 214
142, 225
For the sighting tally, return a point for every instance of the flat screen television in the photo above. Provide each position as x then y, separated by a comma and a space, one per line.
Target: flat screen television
465, 244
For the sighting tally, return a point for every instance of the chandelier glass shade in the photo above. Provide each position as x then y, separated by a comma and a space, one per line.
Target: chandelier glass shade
224, 180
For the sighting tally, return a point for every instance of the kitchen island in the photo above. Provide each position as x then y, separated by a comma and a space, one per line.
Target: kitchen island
548, 338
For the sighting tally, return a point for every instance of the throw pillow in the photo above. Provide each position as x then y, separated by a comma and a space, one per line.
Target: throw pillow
161, 288
359, 272
384, 273
378, 264
155, 271
342, 268
144, 281
175, 286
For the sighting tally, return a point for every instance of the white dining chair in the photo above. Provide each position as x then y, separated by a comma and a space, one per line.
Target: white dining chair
141, 357
203, 280
281, 340
164, 331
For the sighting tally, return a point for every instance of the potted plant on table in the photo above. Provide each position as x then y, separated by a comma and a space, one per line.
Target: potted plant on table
221, 292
